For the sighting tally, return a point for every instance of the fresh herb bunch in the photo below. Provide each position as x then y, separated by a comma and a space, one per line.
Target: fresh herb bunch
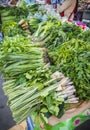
51, 34
17, 55
71, 29
73, 59
33, 24
15, 11
85, 35
11, 29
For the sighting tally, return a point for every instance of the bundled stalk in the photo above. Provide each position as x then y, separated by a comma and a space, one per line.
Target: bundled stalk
25, 99
54, 33
11, 29
19, 56
31, 88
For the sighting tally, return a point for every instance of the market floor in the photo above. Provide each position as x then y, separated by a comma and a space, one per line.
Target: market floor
6, 120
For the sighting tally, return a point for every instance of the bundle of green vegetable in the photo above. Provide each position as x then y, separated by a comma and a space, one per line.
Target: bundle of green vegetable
85, 35
33, 24
73, 59
39, 93
71, 29
6, 16
15, 13
17, 56
12, 28
28, 84
51, 34
33, 8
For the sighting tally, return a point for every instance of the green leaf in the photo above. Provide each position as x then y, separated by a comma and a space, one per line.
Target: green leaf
44, 110
44, 93
40, 86
44, 118
28, 76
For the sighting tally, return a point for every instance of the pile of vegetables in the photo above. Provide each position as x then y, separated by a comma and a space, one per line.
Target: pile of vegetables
32, 86
33, 24
24, 99
53, 33
17, 13
19, 55
28, 80
11, 16
12, 28
58, 38
84, 35
50, 33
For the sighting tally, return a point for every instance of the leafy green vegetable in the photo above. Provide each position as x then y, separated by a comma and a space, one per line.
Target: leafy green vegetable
71, 29
30, 81
73, 59
51, 34
85, 35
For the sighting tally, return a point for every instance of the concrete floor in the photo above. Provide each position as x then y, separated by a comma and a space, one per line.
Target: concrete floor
6, 120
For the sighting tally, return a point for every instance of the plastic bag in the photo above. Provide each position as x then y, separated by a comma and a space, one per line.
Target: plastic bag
73, 122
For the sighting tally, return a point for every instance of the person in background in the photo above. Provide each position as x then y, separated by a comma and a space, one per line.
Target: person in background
12, 2
67, 9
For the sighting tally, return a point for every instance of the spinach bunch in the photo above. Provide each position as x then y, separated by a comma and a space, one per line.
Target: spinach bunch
71, 29
85, 35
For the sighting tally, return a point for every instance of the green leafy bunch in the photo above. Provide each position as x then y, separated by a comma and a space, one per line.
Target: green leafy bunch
73, 60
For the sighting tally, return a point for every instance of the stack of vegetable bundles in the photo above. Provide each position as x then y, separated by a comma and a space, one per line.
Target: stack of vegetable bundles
28, 82
31, 85
69, 51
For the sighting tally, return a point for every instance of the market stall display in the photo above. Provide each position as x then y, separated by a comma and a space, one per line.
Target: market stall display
83, 13
31, 62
